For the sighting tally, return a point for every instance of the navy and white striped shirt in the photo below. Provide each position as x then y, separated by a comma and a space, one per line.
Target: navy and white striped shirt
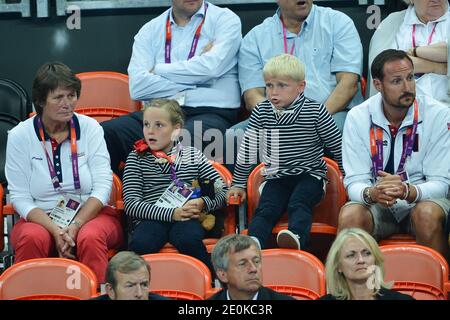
144, 181
289, 141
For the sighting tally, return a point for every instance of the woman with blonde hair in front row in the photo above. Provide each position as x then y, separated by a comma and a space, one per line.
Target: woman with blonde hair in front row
355, 271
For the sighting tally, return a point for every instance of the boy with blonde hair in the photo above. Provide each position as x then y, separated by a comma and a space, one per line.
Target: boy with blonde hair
291, 131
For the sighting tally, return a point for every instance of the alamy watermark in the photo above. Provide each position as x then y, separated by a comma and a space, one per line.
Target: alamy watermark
374, 20
73, 22
73, 281
263, 145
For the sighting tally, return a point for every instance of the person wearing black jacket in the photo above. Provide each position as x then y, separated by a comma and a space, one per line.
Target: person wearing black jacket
237, 261
355, 270
128, 278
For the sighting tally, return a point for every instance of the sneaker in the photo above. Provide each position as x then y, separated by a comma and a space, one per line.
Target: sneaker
288, 240
257, 241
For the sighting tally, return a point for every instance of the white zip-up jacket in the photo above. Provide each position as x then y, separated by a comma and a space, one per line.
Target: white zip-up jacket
27, 171
428, 167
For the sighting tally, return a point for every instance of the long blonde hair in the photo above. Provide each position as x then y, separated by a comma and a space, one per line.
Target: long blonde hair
336, 282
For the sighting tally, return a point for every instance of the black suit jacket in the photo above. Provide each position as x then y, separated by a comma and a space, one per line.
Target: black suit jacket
383, 294
263, 294
151, 296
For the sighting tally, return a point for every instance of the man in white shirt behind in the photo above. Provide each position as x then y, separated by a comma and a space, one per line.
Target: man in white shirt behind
188, 53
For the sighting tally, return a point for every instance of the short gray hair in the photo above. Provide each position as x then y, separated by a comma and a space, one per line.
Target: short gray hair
408, 2
230, 244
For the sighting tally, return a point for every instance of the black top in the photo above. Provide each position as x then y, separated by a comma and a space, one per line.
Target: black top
263, 294
383, 294
151, 296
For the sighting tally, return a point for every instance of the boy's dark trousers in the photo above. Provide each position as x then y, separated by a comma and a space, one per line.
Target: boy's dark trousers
296, 194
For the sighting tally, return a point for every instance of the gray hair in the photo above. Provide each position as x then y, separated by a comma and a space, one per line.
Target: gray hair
409, 2
230, 244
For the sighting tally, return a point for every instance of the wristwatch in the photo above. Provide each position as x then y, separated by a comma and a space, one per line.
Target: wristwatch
366, 196
77, 223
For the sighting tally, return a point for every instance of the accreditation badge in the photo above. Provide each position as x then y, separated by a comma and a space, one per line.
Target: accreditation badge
65, 210
174, 197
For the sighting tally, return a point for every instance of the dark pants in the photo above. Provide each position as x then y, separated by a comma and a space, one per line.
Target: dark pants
150, 236
121, 133
296, 194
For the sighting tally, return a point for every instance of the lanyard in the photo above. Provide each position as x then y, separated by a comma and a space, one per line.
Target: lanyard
194, 44
285, 38
376, 144
430, 37
73, 149
170, 159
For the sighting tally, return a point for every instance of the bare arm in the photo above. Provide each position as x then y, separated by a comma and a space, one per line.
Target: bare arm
426, 66
347, 85
254, 96
436, 52
40, 217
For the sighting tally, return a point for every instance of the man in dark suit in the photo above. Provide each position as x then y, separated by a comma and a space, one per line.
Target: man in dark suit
128, 278
237, 261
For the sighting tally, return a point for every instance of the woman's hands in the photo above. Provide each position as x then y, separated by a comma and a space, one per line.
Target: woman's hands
190, 210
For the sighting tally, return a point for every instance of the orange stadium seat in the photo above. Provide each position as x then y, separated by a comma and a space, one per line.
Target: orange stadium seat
105, 95
293, 272
2, 228
178, 294
363, 86
175, 271
414, 263
48, 276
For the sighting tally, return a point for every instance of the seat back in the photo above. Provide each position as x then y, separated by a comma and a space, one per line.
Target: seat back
178, 295
2, 220
420, 291
297, 292
325, 214
7, 122
415, 263
174, 271
115, 198
286, 267
48, 276
105, 89
14, 100
230, 217
363, 86
102, 113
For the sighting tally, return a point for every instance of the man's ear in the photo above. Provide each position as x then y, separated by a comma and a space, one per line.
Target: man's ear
110, 291
377, 84
222, 275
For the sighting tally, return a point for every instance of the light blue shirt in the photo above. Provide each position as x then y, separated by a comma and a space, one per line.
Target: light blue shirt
327, 43
207, 80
